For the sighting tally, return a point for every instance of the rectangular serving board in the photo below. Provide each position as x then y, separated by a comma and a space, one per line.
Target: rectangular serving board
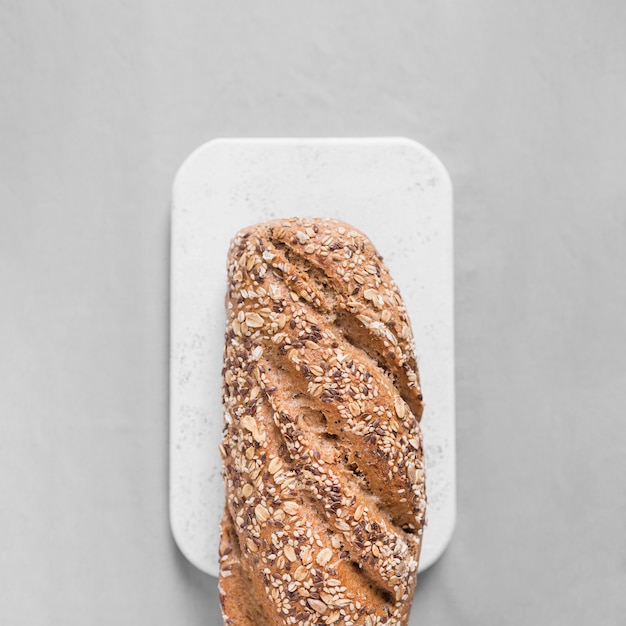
394, 190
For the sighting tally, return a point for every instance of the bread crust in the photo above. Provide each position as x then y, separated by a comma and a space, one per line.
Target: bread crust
322, 448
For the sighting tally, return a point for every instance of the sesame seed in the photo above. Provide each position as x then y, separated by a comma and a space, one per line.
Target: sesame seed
327, 598
324, 556
290, 553
275, 464
261, 513
254, 320
370, 294
317, 605
291, 507
248, 422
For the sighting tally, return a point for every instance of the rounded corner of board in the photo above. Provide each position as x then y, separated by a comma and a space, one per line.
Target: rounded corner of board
427, 153
196, 155
186, 551
443, 545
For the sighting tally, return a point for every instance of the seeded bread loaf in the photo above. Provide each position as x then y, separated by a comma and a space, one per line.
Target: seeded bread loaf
322, 448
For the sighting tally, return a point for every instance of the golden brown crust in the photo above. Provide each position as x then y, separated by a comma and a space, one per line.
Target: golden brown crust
325, 495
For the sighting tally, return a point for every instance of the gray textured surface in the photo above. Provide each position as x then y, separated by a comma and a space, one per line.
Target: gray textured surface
101, 101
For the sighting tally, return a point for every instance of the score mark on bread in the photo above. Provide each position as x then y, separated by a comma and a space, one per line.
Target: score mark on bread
322, 448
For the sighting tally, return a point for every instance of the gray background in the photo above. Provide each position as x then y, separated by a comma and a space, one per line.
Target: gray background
101, 101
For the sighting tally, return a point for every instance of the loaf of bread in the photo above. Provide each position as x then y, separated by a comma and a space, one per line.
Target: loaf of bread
322, 448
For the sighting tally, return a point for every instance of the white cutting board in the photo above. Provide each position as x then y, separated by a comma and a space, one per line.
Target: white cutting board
395, 191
